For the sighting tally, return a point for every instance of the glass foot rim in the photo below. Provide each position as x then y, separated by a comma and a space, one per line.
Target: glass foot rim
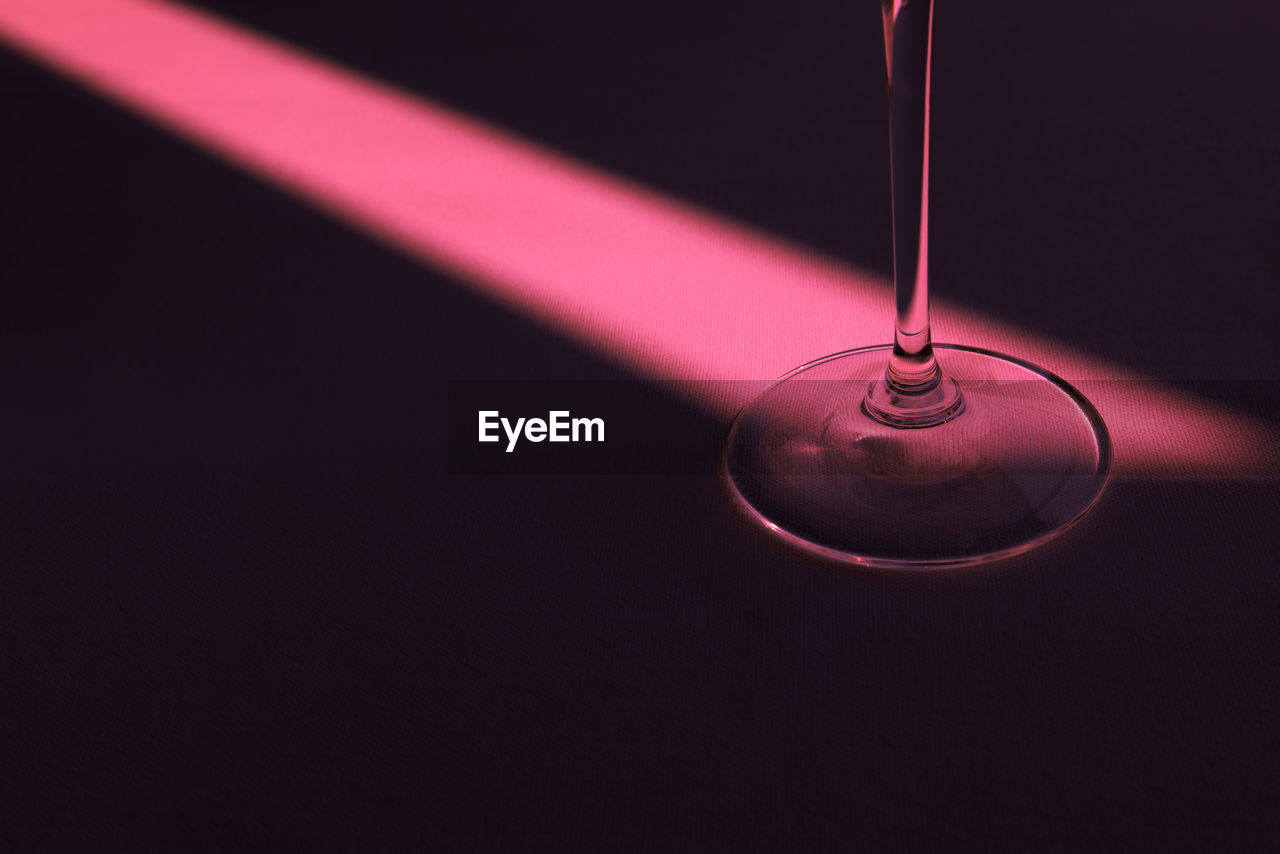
759, 520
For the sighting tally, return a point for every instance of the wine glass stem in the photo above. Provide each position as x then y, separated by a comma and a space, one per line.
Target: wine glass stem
908, 28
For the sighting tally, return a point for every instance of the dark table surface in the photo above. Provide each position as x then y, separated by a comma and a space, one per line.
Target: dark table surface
244, 604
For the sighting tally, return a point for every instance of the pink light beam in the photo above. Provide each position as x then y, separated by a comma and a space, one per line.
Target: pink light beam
671, 292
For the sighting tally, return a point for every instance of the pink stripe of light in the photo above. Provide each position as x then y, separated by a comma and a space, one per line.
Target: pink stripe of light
671, 292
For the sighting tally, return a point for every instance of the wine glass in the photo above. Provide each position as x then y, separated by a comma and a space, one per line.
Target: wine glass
916, 454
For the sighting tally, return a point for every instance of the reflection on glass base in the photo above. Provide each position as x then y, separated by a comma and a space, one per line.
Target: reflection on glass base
1026, 458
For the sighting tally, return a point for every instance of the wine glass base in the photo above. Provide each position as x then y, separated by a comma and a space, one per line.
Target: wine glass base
1026, 458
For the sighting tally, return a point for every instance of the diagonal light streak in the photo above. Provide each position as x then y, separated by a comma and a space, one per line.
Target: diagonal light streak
671, 292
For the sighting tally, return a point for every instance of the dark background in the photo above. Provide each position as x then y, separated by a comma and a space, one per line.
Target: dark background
243, 604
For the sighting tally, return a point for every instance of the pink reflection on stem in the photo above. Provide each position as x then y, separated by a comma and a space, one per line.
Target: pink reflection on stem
673, 293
